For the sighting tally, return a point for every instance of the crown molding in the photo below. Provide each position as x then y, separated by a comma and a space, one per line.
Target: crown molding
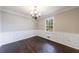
68, 9
61, 11
27, 16
16, 13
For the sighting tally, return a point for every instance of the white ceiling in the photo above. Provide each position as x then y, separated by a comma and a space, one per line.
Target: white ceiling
45, 11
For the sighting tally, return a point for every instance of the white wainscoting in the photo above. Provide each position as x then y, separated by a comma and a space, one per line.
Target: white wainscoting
9, 37
68, 39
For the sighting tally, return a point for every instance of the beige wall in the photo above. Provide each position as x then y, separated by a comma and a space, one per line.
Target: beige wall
67, 21
13, 22
41, 24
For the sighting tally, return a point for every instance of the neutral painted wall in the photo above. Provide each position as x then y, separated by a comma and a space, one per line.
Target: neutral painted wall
12, 22
66, 28
67, 21
68, 39
0, 27
41, 24
16, 27
0, 21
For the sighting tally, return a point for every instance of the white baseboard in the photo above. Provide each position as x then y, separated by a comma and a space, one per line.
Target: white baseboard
68, 39
9, 37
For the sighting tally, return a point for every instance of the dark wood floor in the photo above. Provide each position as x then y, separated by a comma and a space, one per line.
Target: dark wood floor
36, 45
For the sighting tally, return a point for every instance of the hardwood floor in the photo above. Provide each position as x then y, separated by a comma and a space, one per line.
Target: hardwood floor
36, 45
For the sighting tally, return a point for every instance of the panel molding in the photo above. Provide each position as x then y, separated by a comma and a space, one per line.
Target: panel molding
68, 39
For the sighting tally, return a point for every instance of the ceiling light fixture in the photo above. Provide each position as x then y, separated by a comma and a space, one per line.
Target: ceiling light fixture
35, 13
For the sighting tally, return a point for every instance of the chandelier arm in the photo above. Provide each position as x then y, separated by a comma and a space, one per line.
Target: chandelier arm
35, 13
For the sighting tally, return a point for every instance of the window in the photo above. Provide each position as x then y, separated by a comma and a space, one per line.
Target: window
49, 24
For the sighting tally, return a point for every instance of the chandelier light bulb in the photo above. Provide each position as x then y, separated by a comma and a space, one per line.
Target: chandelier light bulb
35, 13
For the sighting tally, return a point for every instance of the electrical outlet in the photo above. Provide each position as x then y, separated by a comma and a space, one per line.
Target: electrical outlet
48, 36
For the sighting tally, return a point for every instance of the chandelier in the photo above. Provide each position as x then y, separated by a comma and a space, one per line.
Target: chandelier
35, 13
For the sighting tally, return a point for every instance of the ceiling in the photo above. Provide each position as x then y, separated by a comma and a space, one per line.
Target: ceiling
45, 11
